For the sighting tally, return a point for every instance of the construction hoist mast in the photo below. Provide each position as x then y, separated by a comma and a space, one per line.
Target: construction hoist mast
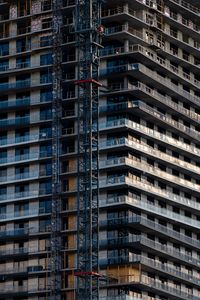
88, 32
55, 283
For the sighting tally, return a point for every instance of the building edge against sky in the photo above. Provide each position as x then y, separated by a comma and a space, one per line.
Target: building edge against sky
149, 150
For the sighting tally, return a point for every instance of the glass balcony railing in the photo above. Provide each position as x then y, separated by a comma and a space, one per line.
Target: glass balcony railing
150, 132
25, 139
127, 297
161, 248
15, 122
20, 176
15, 103
144, 148
20, 195
166, 100
27, 156
150, 224
136, 201
23, 214
155, 171
18, 251
21, 84
14, 233
20, 232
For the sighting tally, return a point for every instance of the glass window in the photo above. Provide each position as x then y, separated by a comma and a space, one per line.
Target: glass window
45, 41
4, 65
46, 95
46, 59
4, 49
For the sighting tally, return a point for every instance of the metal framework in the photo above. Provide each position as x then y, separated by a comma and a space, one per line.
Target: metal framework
56, 134
88, 38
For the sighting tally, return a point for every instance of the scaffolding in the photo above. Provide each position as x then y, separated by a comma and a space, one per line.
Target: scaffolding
88, 37
56, 135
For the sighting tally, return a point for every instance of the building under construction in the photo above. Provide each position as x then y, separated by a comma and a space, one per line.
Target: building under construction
99, 150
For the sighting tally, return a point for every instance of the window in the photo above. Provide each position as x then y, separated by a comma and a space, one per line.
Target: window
45, 77
21, 208
3, 156
45, 188
22, 62
23, 45
4, 49
46, 23
4, 65
21, 170
45, 114
45, 132
3, 138
46, 96
45, 206
45, 41
46, 59
22, 152
46, 5
20, 188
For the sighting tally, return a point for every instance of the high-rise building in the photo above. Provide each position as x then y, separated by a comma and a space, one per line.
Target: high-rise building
149, 150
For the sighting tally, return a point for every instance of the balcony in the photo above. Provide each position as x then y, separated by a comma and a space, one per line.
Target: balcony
22, 102
127, 297
20, 232
144, 222
144, 148
21, 251
152, 170
24, 84
24, 139
168, 251
23, 214
187, 6
156, 191
20, 290
162, 118
153, 264
166, 268
137, 202
23, 157
19, 196
14, 103
141, 129
153, 58
167, 100
17, 85
20, 176
14, 122
144, 73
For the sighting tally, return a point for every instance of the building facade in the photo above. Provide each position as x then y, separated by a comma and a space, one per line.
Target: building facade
149, 150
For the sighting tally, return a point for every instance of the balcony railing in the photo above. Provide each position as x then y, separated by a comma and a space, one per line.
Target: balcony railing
25, 83
23, 214
15, 122
27, 156
149, 224
166, 249
150, 132
20, 176
161, 174
144, 148
22, 102
20, 195
136, 201
24, 139
19, 251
